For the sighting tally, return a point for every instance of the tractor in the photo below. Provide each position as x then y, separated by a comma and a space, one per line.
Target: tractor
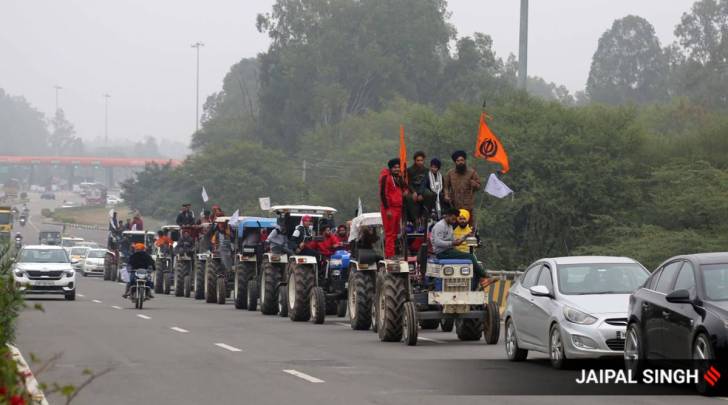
299, 285
365, 240
218, 267
249, 248
164, 262
184, 260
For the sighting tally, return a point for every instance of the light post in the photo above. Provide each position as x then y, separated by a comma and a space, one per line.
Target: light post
197, 46
58, 88
107, 96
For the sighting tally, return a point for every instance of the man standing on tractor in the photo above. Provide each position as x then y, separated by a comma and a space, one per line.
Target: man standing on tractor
444, 244
390, 197
216, 212
433, 188
137, 224
185, 216
461, 183
302, 236
416, 180
220, 236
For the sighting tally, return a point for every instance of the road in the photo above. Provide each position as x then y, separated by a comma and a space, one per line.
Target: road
183, 351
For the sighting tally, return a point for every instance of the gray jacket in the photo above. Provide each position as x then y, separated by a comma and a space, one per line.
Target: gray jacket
442, 237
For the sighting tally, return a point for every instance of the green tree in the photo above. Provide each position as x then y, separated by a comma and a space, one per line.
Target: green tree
22, 127
628, 65
63, 140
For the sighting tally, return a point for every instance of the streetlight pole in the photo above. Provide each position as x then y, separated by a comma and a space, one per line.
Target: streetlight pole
197, 46
106, 118
523, 47
58, 88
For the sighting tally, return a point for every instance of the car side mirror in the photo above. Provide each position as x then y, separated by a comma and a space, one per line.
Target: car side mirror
679, 297
540, 291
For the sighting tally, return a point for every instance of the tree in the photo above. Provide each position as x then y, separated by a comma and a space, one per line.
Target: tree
628, 65
63, 139
22, 127
701, 71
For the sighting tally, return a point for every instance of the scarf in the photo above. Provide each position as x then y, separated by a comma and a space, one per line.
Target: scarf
436, 187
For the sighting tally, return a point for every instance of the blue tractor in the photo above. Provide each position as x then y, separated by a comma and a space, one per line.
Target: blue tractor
249, 249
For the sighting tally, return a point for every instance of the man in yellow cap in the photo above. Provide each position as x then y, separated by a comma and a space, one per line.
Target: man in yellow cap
463, 230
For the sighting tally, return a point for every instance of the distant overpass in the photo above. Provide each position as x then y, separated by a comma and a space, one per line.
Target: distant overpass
37, 165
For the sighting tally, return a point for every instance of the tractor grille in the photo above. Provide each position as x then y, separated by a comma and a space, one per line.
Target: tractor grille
617, 321
616, 344
44, 275
458, 284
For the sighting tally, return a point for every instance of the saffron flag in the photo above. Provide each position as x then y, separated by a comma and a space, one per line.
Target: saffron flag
402, 154
488, 146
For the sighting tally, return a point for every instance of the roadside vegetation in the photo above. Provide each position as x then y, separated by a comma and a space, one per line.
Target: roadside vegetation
635, 165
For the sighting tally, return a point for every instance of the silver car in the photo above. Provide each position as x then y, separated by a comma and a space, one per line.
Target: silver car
571, 308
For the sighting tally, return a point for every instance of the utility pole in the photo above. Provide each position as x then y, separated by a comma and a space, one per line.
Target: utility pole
106, 118
523, 47
303, 174
197, 45
58, 88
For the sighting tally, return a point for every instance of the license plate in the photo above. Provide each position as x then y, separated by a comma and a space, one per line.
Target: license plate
44, 283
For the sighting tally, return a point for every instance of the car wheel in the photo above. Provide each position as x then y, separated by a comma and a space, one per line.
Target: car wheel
634, 359
512, 350
557, 353
702, 356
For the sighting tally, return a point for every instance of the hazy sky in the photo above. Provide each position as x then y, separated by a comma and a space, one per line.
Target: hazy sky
139, 51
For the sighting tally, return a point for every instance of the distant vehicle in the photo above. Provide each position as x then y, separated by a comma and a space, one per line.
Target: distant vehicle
44, 270
93, 262
11, 188
6, 221
88, 244
49, 238
77, 255
67, 242
113, 200
48, 195
571, 308
69, 204
680, 313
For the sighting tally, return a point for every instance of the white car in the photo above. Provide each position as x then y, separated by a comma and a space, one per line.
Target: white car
571, 308
113, 200
93, 262
69, 204
44, 270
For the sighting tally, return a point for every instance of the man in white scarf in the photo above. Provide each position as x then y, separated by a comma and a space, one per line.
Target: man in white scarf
433, 194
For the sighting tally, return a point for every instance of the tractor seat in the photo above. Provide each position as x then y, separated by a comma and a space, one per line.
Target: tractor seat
443, 262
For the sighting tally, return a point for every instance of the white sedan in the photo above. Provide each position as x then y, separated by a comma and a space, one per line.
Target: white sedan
93, 262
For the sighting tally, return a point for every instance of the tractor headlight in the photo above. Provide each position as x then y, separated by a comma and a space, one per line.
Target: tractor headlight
465, 271
335, 263
448, 271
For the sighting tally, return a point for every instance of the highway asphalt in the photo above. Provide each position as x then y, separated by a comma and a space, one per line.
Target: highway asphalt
183, 351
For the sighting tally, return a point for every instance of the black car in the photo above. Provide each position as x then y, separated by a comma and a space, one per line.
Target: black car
48, 195
680, 313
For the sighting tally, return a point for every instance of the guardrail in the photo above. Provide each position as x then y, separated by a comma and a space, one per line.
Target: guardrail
498, 291
78, 226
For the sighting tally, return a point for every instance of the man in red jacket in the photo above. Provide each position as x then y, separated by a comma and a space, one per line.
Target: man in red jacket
390, 196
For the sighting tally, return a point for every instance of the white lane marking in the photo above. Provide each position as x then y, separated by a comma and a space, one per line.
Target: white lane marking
116, 307
96, 301
228, 347
430, 340
303, 376
144, 316
81, 295
178, 329
343, 324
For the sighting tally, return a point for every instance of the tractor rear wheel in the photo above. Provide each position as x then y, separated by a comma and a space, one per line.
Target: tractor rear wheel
179, 278
211, 281
361, 295
271, 277
199, 279
391, 308
300, 283
242, 275
469, 329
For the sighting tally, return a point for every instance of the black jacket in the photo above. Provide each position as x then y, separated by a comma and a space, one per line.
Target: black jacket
185, 218
141, 260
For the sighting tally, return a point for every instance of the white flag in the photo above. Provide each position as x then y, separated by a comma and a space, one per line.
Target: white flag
204, 194
359, 209
264, 203
235, 218
496, 187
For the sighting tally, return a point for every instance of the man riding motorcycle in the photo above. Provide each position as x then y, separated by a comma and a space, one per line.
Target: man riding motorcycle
140, 259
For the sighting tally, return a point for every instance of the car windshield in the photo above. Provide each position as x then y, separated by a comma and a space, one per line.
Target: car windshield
611, 278
78, 251
715, 281
97, 254
43, 256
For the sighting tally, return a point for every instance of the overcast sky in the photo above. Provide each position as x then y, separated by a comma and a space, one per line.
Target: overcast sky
139, 51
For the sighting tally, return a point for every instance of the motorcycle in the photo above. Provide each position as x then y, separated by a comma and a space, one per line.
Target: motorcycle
23, 220
139, 290
18, 242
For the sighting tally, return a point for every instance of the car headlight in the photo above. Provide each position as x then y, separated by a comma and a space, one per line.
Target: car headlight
18, 272
576, 316
448, 271
69, 273
335, 263
465, 271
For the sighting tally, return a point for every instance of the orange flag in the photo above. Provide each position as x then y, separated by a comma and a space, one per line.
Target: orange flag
488, 146
402, 154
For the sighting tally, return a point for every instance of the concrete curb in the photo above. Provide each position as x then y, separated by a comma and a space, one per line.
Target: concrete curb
30, 382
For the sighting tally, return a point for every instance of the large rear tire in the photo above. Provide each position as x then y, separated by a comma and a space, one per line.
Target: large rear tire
271, 277
318, 304
242, 276
199, 279
251, 295
300, 283
179, 278
391, 308
107, 267
469, 329
361, 295
491, 324
409, 324
211, 281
